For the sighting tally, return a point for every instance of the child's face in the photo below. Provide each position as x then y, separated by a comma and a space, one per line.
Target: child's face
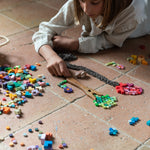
92, 8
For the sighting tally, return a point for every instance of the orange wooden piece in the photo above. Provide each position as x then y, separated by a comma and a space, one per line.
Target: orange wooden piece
12, 139
144, 62
48, 136
22, 144
61, 146
18, 79
38, 64
6, 110
1, 76
16, 70
8, 128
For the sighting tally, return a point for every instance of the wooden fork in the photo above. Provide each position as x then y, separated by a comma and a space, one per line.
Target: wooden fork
88, 91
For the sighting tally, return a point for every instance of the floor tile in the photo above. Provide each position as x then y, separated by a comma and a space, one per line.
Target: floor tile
7, 4
144, 148
85, 132
30, 14
147, 142
57, 4
20, 44
9, 27
142, 73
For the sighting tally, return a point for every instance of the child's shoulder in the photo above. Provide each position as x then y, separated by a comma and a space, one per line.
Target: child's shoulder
135, 11
68, 4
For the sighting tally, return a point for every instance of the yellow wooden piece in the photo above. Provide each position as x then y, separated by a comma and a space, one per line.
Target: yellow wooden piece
134, 56
133, 62
12, 96
10, 71
11, 144
20, 71
30, 89
7, 127
32, 80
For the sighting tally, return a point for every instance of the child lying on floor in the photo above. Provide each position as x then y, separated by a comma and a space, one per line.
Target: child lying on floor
105, 23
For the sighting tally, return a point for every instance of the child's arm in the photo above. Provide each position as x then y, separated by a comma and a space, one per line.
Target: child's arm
55, 65
63, 20
45, 39
62, 42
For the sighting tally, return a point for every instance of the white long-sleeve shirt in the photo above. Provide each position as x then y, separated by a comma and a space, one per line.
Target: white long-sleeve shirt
132, 22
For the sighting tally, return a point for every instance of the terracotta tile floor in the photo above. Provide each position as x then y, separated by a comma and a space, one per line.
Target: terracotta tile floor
73, 117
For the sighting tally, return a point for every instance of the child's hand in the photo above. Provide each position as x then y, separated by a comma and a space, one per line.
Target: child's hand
62, 42
57, 67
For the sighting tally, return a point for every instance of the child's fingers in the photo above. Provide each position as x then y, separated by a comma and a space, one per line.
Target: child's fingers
52, 71
57, 68
64, 70
54, 37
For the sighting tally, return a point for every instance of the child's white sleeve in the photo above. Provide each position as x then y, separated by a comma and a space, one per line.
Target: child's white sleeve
93, 44
60, 22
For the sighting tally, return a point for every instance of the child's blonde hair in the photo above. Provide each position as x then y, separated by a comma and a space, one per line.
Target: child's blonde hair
111, 9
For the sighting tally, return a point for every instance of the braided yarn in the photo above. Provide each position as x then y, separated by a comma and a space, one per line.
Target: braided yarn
71, 57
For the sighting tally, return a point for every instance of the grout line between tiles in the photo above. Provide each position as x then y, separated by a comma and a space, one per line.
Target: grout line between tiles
77, 106
148, 140
14, 21
84, 110
126, 73
52, 7
95, 60
138, 80
110, 68
22, 128
143, 144
53, 111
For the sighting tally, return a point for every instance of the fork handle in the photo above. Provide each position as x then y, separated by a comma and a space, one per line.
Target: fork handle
85, 89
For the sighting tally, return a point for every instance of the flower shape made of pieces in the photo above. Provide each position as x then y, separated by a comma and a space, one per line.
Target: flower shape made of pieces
133, 120
113, 131
68, 90
105, 101
35, 92
128, 89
